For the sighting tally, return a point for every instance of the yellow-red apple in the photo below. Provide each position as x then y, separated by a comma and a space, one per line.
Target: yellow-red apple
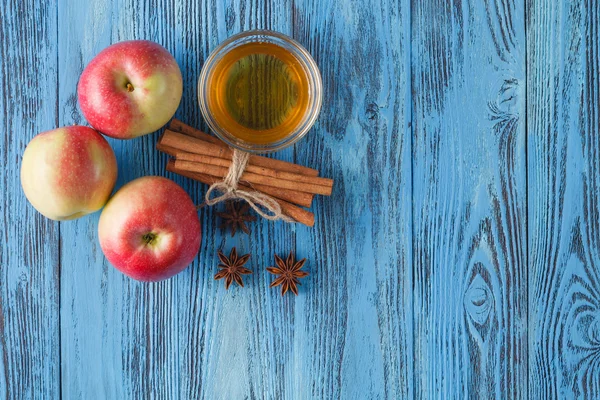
130, 89
150, 230
68, 172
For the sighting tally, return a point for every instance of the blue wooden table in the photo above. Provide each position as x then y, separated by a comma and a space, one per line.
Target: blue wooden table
459, 256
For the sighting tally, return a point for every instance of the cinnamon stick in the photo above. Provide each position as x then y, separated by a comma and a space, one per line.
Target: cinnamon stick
253, 178
298, 214
166, 149
315, 180
191, 144
178, 126
292, 196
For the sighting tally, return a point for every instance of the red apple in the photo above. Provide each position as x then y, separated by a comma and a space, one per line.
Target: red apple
68, 172
130, 89
149, 230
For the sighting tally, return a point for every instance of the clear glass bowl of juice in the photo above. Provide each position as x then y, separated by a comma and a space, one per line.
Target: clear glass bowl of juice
260, 91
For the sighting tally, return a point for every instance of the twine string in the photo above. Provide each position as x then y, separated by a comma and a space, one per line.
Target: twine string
264, 205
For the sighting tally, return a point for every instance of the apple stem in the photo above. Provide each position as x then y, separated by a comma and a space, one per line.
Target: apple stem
149, 238
129, 87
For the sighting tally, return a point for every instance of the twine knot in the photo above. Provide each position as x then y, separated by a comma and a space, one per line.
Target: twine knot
264, 205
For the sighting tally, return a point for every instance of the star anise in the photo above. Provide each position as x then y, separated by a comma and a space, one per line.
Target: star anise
236, 217
289, 273
232, 269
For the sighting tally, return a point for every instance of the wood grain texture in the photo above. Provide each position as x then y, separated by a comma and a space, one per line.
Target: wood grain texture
29, 252
357, 315
469, 199
458, 256
564, 198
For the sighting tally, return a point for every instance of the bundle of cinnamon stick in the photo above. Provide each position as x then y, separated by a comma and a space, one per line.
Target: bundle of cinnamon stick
205, 158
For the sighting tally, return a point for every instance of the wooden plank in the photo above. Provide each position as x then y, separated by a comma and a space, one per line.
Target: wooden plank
469, 199
564, 198
29, 253
354, 323
119, 337
237, 343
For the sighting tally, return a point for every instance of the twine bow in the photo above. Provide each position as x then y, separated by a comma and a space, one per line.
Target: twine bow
264, 205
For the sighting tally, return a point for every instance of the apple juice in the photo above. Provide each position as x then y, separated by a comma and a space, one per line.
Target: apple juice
259, 92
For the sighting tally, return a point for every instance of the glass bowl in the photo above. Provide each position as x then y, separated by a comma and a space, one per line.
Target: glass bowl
301, 59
